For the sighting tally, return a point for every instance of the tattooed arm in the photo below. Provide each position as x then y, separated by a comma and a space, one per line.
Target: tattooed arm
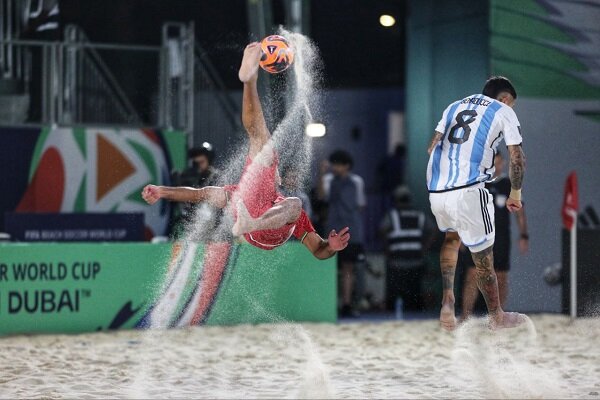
437, 136
516, 171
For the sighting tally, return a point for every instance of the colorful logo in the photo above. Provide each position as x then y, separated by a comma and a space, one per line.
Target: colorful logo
97, 170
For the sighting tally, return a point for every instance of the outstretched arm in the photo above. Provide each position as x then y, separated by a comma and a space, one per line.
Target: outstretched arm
323, 249
437, 136
516, 171
213, 195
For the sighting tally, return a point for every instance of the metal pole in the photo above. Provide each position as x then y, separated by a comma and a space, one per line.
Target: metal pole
9, 34
53, 82
45, 84
60, 83
573, 266
260, 22
3, 73
190, 83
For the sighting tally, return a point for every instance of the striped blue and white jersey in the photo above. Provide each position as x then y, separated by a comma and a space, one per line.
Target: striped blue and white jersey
471, 130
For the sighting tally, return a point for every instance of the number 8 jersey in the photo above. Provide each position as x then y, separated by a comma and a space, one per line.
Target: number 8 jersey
471, 130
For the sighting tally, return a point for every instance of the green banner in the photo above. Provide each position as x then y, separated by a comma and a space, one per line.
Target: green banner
88, 287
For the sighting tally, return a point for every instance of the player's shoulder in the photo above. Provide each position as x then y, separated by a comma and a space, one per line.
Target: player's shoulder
455, 103
506, 111
357, 179
328, 177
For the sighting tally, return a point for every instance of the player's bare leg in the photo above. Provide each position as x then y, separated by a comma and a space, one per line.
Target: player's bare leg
487, 282
285, 212
502, 287
347, 270
448, 260
470, 294
252, 114
249, 67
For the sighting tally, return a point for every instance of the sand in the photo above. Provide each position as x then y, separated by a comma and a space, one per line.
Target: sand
412, 359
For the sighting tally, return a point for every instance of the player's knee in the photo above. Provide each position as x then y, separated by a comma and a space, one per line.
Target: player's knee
295, 207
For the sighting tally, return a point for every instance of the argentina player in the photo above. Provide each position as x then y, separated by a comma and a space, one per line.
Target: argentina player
461, 159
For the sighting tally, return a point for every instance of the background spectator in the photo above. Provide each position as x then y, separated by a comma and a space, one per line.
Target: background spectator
201, 173
345, 195
405, 231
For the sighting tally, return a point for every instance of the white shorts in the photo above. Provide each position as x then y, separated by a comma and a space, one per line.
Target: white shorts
469, 212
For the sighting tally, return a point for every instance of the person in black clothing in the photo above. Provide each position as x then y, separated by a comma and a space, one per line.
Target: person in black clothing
404, 231
499, 187
199, 175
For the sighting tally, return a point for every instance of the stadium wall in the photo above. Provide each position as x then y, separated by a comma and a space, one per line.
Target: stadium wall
447, 59
549, 49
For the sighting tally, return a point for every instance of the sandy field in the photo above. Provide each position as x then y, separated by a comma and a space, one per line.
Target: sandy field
414, 359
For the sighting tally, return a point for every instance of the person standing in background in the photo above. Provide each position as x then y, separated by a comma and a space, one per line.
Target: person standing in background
499, 187
404, 231
344, 192
200, 174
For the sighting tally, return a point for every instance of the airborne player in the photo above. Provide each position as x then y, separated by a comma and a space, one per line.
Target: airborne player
264, 218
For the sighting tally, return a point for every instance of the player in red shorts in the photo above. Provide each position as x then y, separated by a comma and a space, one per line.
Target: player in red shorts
264, 217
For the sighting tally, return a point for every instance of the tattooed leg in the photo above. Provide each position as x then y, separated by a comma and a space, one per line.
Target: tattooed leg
448, 260
488, 285
486, 279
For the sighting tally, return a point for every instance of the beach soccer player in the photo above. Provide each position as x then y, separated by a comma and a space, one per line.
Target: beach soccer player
461, 159
263, 217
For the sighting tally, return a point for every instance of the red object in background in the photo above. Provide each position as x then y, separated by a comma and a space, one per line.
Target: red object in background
47, 188
570, 201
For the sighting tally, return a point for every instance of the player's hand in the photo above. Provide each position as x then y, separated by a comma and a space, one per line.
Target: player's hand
513, 205
151, 193
339, 241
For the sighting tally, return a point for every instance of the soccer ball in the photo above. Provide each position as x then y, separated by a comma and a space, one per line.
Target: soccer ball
277, 54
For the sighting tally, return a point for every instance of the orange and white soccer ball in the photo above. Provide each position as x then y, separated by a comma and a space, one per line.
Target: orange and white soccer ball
277, 54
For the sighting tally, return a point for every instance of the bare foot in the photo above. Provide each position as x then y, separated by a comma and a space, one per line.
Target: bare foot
249, 68
447, 317
243, 221
506, 320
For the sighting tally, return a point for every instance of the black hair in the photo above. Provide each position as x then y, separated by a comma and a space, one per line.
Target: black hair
201, 151
341, 157
496, 85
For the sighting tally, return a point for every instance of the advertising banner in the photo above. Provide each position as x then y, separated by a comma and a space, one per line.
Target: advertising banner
92, 169
75, 227
79, 287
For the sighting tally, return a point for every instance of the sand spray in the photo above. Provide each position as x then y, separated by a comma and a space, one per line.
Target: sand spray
488, 362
